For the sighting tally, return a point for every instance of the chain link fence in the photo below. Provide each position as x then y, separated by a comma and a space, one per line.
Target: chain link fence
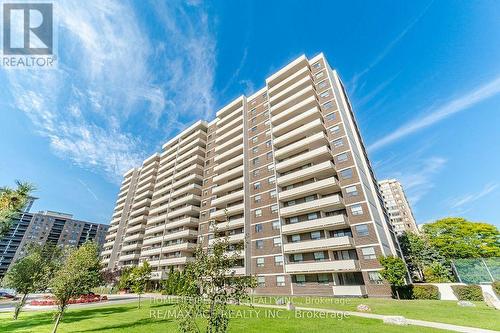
477, 271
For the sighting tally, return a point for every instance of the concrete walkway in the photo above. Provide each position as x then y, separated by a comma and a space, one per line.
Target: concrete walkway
415, 322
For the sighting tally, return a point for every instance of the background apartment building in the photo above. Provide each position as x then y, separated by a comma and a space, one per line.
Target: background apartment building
46, 227
397, 206
288, 168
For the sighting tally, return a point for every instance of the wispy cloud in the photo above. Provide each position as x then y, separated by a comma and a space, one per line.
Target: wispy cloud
389, 47
118, 93
464, 102
88, 189
472, 197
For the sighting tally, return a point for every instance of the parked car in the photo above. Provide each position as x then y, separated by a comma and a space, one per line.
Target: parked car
4, 294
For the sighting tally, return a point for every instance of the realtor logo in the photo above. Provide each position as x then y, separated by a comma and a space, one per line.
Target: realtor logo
28, 35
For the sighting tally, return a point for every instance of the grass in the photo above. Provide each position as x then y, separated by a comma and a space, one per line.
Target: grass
128, 318
447, 312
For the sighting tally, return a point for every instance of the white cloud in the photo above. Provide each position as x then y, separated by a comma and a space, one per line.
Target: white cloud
464, 102
472, 197
117, 93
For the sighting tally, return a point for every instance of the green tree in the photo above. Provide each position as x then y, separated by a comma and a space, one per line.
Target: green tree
437, 273
394, 271
419, 254
12, 202
80, 272
455, 237
125, 283
210, 285
33, 271
139, 277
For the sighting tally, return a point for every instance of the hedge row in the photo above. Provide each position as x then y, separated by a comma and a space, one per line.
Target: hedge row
425, 291
468, 293
496, 287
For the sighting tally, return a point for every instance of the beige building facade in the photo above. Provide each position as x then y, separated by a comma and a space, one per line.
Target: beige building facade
284, 171
397, 206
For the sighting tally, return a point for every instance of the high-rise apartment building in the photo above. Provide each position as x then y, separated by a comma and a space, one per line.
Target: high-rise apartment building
285, 172
397, 206
46, 227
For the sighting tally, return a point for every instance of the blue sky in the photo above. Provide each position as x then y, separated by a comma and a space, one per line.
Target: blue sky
423, 76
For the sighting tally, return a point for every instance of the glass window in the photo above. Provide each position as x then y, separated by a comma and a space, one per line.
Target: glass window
256, 173
322, 85
346, 174
271, 180
272, 194
335, 129
270, 167
277, 241
256, 185
258, 227
295, 238
268, 143
330, 116
312, 216
260, 262
325, 94
276, 225
362, 230
261, 281
280, 281
328, 105
323, 278
255, 150
300, 279
294, 219
298, 257
315, 235
257, 198
278, 260
274, 208
258, 212
255, 161
318, 256
269, 155
357, 210
375, 277
368, 253
342, 157
351, 191
320, 75
254, 129
259, 244
255, 139
317, 65
338, 143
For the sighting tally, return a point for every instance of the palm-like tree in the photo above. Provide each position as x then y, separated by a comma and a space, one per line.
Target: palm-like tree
12, 202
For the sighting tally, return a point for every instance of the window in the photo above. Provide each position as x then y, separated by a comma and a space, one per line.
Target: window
312, 216
270, 167
317, 65
258, 227
268, 143
255, 161
338, 143
253, 111
374, 277
254, 129
256, 185
268, 133
280, 281
261, 281
255, 150
276, 225
272, 194
323, 278
328, 105
330, 116
269, 155
295, 238
277, 241
271, 180
351, 191
259, 244
274, 208
368, 253
255, 139
320, 75
357, 210
300, 279
278, 260
294, 219
324, 94
260, 262
258, 212
342, 157
315, 235
256, 173
298, 257
322, 85
335, 129
318, 256
362, 230
346, 174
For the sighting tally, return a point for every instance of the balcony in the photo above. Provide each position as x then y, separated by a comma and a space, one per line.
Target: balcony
231, 238
132, 238
326, 223
179, 247
191, 189
152, 240
227, 118
233, 224
290, 80
194, 178
233, 210
151, 251
131, 247
309, 129
326, 204
156, 219
198, 150
287, 71
188, 210
230, 125
238, 130
322, 266
190, 199
228, 174
322, 187
297, 121
235, 161
128, 257
147, 186
228, 154
315, 156
187, 222
319, 244
193, 169
135, 228
228, 186
222, 201
228, 144
296, 98
188, 233
140, 211
318, 170
237, 271
291, 90
138, 219
175, 261
141, 203
300, 145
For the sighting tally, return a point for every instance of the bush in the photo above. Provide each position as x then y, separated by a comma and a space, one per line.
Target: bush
496, 287
426, 291
468, 293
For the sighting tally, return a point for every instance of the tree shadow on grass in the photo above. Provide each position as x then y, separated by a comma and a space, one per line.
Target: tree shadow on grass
136, 324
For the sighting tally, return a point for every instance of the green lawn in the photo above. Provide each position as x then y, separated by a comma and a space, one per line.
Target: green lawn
439, 311
127, 318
